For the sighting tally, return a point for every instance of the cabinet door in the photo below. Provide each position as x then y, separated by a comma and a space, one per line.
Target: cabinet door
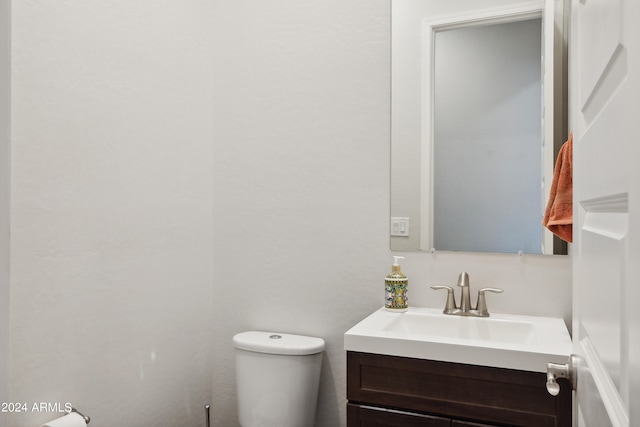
371, 416
494, 396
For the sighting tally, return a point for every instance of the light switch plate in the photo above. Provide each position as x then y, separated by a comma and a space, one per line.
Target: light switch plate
399, 226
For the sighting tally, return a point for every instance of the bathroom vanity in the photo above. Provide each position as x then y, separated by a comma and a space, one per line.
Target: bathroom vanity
424, 368
398, 391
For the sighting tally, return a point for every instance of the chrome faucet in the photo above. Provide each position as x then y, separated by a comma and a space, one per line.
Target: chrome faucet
465, 298
465, 309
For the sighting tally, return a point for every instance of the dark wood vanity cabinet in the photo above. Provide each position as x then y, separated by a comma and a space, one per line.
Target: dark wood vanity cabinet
391, 391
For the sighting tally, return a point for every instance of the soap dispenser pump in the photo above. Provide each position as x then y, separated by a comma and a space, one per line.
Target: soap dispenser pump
395, 285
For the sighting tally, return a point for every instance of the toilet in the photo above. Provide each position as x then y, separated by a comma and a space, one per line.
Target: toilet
277, 377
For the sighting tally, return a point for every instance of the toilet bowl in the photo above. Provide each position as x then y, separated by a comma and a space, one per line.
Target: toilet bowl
277, 378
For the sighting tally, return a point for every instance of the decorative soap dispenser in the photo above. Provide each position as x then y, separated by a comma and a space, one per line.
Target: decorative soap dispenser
395, 285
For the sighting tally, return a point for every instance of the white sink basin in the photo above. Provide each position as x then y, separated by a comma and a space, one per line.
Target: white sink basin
427, 324
502, 340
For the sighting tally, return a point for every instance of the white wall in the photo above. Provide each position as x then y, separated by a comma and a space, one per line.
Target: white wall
4, 203
302, 94
135, 124
112, 210
301, 177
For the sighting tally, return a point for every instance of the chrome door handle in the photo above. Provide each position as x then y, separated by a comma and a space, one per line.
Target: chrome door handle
567, 371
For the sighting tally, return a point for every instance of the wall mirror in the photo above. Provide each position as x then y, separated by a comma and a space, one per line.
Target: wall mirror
474, 133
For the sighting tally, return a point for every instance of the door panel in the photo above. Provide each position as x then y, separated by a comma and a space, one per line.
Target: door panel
604, 229
603, 39
603, 45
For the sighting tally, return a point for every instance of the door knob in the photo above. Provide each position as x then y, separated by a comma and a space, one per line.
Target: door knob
567, 371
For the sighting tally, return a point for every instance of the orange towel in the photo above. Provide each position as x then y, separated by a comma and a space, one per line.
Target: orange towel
558, 216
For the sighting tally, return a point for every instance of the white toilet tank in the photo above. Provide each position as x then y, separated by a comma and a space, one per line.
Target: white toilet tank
277, 376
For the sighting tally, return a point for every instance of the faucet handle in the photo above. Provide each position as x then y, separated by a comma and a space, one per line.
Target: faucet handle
450, 305
496, 290
481, 306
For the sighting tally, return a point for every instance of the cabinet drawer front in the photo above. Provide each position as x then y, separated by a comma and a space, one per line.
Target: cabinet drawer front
370, 416
455, 423
466, 392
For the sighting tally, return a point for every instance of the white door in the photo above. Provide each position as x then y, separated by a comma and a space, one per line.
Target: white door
605, 117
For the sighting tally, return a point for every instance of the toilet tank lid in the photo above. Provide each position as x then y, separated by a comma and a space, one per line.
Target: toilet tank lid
277, 343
